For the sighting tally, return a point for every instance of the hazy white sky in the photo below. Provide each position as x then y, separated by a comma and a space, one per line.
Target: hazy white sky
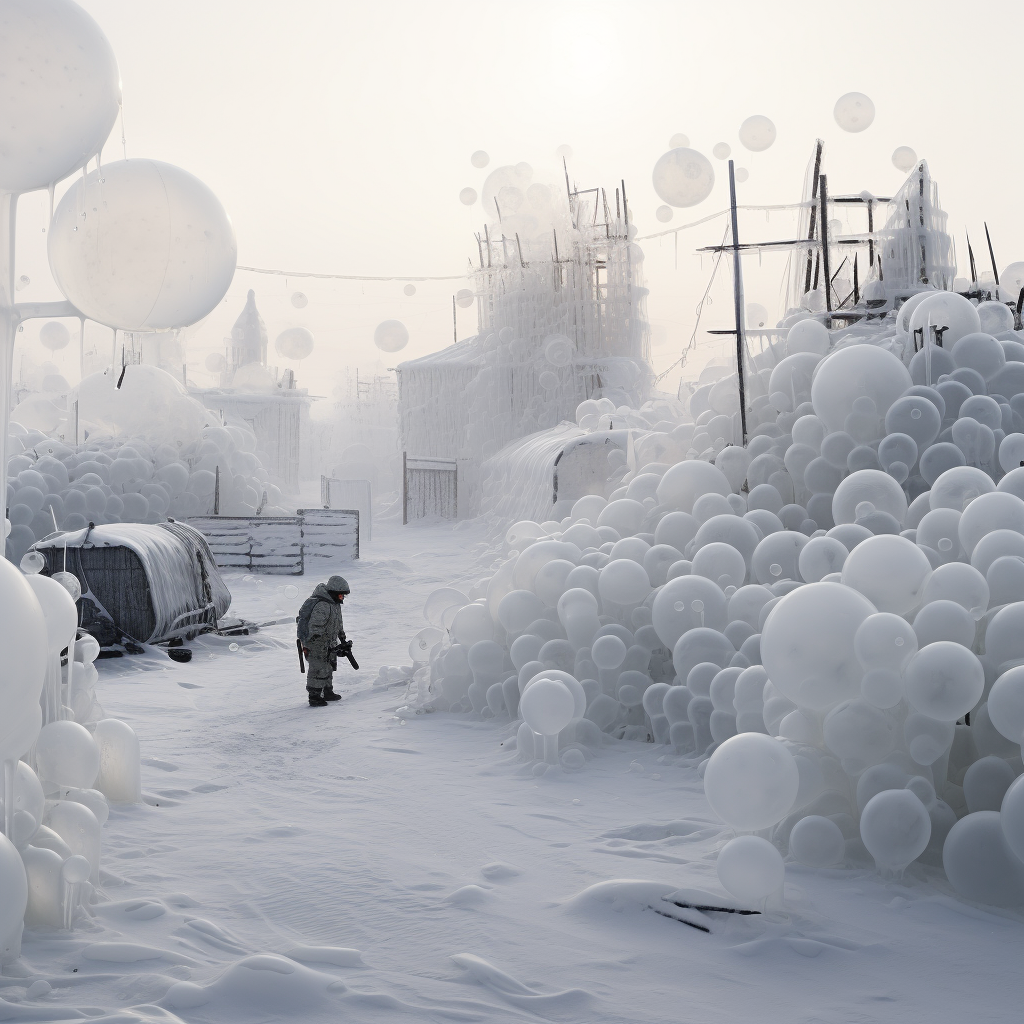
338, 133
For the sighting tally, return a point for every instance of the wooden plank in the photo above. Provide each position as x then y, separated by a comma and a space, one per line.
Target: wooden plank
268, 545
330, 534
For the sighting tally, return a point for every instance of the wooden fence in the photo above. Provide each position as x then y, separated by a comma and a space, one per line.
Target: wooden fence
281, 545
430, 487
337, 493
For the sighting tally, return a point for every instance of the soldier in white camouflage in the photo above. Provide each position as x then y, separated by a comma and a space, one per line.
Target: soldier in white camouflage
320, 629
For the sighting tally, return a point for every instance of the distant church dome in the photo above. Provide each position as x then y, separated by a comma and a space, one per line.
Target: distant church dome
249, 338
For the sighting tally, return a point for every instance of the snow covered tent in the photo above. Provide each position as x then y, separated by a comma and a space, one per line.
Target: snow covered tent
146, 582
540, 477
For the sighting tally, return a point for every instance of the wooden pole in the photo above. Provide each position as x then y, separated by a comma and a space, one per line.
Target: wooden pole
970, 253
455, 323
871, 232
819, 147
823, 216
405, 489
737, 295
216, 490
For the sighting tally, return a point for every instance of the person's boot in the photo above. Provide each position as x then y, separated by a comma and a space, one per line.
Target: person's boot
316, 699
329, 693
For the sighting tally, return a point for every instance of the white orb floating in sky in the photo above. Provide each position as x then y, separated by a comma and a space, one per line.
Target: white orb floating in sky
409, 289
854, 112
294, 343
215, 362
683, 177
59, 93
508, 183
54, 335
480, 159
757, 133
467, 196
142, 246
391, 336
299, 300
464, 298
757, 315
679, 141
904, 158
721, 150
742, 174
664, 213
564, 152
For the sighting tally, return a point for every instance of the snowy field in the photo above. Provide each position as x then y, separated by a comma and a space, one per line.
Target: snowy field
436, 878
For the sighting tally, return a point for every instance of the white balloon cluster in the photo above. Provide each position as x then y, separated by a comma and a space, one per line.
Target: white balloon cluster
52, 485
54, 802
829, 620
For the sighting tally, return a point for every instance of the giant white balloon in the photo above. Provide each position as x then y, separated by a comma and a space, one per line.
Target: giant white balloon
294, 342
391, 336
59, 91
854, 112
683, 177
143, 246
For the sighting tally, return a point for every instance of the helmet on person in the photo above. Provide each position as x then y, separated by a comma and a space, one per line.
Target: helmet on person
338, 585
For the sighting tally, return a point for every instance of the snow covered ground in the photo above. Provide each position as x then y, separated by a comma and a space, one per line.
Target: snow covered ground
414, 870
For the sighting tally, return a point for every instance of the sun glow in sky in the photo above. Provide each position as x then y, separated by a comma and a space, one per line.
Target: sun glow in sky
338, 136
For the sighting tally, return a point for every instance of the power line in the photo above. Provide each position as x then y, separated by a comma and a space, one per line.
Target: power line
347, 277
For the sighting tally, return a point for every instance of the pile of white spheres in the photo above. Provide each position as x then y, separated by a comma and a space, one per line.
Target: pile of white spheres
62, 761
155, 452
828, 620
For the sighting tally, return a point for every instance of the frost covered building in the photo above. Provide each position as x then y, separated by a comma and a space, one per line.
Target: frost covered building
254, 394
560, 318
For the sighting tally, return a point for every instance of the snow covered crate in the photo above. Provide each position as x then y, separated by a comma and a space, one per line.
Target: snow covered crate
330, 534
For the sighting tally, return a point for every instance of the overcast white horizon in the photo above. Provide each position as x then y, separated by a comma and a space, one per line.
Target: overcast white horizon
338, 137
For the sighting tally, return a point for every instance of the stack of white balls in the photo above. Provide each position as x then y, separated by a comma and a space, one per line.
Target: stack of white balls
829, 621
52, 485
76, 761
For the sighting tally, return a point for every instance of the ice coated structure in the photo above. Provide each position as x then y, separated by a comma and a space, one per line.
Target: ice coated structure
561, 320
827, 619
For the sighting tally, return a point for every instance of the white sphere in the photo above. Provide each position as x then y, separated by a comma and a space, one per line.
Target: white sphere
547, 706
623, 581
391, 336
685, 482
664, 214
750, 868
142, 246
808, 336
299, 300
59, 611
856, 372
807, 644
890, 571
54, 335
60, 91
1006, 704
294, 343
480, 158
944, 681
751, 781
13, 898
464, 298
980, 863
721, 150
895, 827
757, 133
854, 112
949, 310
868, 485
904, 158
67, 754
468, 196
817, 842
683, 177
1011, 815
